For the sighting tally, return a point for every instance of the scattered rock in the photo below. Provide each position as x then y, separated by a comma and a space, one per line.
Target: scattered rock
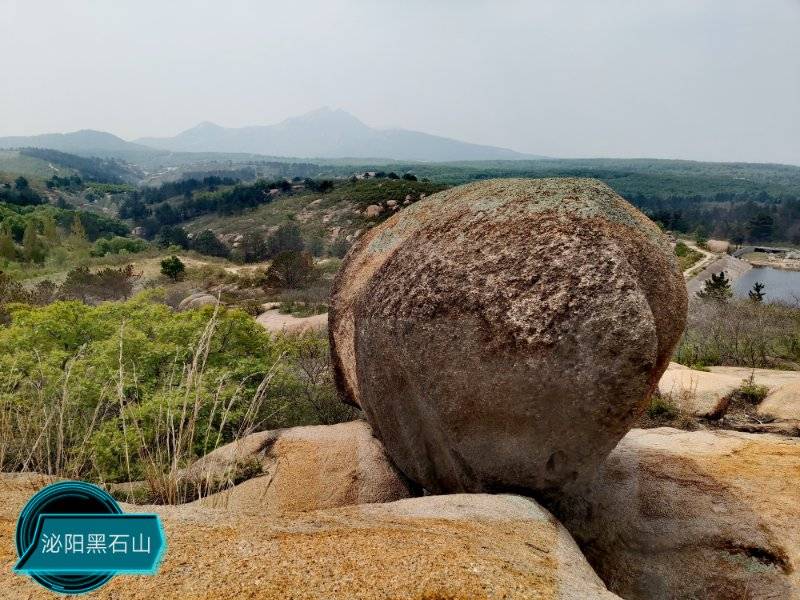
456, 547
197, 300
391, 203
505, 335
705, 514
373, 210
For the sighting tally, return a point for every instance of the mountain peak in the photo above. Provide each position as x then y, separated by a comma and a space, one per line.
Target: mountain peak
207, 125
326, 116
327, 133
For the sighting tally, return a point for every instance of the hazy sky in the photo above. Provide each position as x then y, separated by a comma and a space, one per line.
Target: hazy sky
701, 79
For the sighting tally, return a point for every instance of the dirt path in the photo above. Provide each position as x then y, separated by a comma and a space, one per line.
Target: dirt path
708, 258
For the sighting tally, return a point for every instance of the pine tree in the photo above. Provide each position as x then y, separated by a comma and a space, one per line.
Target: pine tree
50, 229
33, 248
77, 234
718, 288
757, 293
7, 248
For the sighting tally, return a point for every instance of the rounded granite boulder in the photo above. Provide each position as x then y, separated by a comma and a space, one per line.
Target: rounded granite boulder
505, 335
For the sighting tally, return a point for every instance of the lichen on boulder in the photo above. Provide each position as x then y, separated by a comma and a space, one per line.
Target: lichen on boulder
505, 335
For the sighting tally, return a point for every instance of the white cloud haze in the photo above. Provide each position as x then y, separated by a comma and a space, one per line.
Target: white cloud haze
699, 79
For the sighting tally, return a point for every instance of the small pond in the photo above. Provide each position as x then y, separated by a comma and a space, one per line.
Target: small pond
780, 284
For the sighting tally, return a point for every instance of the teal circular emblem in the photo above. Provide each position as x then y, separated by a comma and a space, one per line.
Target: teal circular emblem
64, 497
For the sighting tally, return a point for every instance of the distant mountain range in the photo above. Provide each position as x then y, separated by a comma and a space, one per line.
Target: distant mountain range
324, 133
85, 142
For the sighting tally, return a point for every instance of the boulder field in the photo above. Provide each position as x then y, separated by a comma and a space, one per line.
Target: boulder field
505, 335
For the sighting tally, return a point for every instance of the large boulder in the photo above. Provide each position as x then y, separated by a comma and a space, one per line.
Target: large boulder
704, 514
456, 547
299, 469
505, 335
198, 300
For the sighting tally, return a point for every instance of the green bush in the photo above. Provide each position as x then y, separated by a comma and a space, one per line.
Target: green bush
661, 407
752, 392
117, 245
128, 390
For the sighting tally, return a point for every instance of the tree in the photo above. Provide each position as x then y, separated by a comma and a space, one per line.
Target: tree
701, 237
757, 293
173, 268
50, 229
253, 247
173, 236
106, 284
208, 243
761, 227
287, 238
7, 248
20, 183
133, 208
717, 288
77, 234
291, 270
409, 177
393, 175
166, 215
33, 248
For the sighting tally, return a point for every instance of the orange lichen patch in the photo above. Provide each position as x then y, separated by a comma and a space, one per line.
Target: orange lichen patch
394, 550
711, 514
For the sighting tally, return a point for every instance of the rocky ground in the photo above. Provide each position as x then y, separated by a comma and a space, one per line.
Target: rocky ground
462, 546
709, 398
671, 514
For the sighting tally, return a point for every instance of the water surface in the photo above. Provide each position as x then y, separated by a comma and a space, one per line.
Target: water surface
780, 284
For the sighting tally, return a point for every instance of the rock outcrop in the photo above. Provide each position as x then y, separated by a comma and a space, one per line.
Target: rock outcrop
505, 335
197, 300
300, 469
783, 403
705, 514
277, 322
703, 393
698, 393
456, 547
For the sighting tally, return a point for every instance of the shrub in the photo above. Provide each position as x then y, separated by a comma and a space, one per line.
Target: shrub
206, 242
173, 268
662, 407
741, 333
105, 284
751, 392
116, 245
291, 270
134, 390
